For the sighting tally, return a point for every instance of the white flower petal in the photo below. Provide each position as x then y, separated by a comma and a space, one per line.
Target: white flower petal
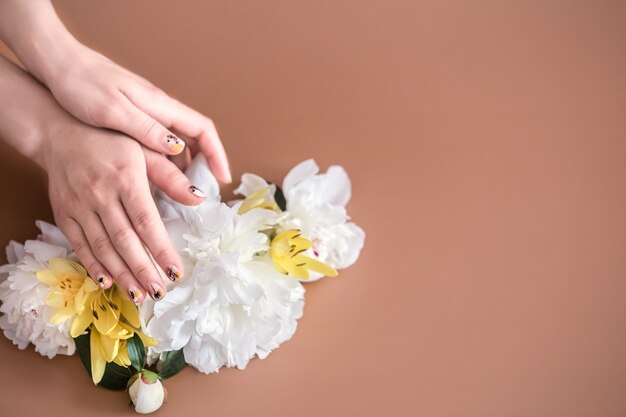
251, 183
304, 170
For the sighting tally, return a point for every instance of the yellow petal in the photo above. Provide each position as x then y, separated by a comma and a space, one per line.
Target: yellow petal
301, 243
278, 266
147, 340
109, 347
105, 317
57, 299
90, 286
122, 358
61, 314
318, 266
81, 322
296, 266
47, 277
98, 363
61, 266
128, 308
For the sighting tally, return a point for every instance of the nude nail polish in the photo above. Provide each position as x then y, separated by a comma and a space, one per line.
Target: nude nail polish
102, 280
197, 192
174, 144
135, 294
157, 292
174, 273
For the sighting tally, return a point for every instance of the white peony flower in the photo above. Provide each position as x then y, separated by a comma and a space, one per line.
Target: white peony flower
316, 205
233, 304
26, 317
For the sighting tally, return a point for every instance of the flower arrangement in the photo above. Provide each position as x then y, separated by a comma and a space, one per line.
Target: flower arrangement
245, 262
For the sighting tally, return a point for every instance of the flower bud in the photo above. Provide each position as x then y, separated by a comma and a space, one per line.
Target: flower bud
147, 393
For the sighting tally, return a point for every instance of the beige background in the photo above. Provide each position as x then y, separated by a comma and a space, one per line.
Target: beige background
486, 141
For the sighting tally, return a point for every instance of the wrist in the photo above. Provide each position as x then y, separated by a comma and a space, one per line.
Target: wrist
37, 36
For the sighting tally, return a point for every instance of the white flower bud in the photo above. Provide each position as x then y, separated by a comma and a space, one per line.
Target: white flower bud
146, 393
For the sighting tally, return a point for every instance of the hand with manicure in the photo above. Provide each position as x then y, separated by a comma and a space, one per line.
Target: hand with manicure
98, 178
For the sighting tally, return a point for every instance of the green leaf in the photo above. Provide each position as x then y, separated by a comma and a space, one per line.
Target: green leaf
136, 352
115, 377
174, 363
279, 196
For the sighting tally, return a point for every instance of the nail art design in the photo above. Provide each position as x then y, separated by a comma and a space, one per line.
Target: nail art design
157, 292
197, 192
135, 294
174, 273
102, 280
174, 144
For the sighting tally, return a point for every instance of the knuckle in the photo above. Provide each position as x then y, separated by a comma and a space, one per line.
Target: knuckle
80, 247
101, 244
125, 276
209, 123
144, 222
122, 237
93, 268
160, 253
107, 114
174, 176
144, 272
148, 127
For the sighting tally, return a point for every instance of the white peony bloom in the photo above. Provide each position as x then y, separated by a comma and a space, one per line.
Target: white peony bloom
233, 304
26, 317
147, 394
316, 205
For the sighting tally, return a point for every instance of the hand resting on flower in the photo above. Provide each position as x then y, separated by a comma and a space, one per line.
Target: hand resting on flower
98, 184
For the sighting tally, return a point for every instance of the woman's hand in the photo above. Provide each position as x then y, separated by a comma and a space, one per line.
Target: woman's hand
98, 187
99, 92
101, 201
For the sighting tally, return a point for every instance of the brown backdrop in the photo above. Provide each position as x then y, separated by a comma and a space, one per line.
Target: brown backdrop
487, 145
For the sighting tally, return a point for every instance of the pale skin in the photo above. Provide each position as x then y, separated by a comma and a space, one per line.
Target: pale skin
98, 178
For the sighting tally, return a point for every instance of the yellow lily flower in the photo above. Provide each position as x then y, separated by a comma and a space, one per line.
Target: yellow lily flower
286, 250
112, 316
70, 288
258, 199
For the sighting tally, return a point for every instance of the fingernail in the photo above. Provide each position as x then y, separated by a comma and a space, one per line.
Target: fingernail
174, 144
174, 273
135, 294
157, 292
197, 192
102, 280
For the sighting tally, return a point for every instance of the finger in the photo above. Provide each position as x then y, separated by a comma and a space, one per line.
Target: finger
148, 224
166, 175
76, 236
131, 249
187, 122
182, 160
105, 252
127, 118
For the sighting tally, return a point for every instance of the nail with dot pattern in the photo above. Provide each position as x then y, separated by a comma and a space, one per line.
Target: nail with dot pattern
102, 280
174, 144
135, 294
174, 273
157, 292
197, 192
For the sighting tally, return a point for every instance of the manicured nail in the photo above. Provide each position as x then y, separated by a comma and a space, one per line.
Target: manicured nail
174, 144
135, 294
197, 192
102, 280
157, 292
174, 273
